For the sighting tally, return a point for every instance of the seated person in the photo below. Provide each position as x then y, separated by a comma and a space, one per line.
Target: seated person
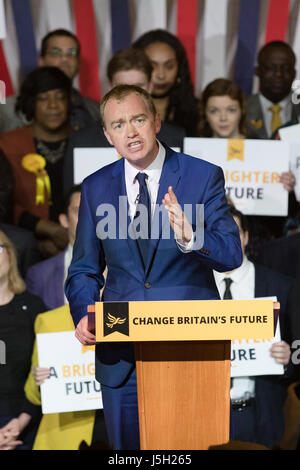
18, 310
36, 154
46, 279
132, 67
223, 115
257, 402
59, 48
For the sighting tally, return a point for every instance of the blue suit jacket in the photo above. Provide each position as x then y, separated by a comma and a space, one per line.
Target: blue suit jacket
169, 274
46, 280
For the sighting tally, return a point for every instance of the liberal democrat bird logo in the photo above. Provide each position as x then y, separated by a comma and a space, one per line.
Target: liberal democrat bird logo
114, 321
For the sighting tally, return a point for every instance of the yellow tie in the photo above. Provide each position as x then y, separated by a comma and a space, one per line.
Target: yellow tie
276, 119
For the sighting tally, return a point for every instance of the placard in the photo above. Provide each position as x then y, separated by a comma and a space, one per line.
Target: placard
252, 169
191, 320
72, 385
291, 134
252, 357
87, 160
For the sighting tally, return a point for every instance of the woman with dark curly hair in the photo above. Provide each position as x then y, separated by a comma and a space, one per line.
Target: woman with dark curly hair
222, 110
36, 153
173, 91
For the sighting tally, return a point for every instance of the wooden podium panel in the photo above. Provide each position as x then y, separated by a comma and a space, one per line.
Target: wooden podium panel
183, 394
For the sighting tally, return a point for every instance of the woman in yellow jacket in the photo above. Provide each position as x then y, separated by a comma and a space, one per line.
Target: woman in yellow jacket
57, 431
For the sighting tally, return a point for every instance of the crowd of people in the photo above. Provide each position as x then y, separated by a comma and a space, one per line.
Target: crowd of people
39, 204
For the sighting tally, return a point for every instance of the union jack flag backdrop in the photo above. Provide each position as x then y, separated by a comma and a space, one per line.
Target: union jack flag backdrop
221, 37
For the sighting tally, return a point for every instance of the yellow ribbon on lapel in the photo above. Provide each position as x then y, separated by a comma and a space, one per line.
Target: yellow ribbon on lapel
235, 149
35, 163
257, 123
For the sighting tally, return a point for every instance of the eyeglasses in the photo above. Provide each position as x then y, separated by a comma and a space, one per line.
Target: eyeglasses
57, 52
2, 248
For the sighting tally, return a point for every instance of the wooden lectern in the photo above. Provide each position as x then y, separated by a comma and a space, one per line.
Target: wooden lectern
183, 391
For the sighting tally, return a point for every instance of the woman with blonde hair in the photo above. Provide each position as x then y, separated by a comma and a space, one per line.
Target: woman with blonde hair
18, 310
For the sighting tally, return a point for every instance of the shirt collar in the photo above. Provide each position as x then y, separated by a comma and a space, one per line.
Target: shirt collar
153, 170
237, 274
267, 103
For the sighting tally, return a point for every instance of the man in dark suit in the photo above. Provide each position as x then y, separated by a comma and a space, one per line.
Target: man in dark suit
174, 267
257, 402
131, 67
46, 278
272, 106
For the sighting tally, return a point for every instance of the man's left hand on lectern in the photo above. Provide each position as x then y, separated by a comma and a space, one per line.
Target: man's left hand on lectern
83, 334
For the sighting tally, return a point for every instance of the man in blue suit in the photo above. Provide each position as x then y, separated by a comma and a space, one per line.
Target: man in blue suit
175, 268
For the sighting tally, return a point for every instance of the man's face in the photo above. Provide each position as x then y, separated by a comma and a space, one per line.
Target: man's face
131, 77
62, 52
131, 128
51, 109
276, 73
70, 220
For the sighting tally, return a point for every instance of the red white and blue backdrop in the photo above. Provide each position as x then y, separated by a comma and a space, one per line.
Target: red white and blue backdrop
221, 37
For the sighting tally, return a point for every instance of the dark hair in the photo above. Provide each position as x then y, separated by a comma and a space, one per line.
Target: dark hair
38, 81
120, 92
129, 59
221, 87
242, 218
67, 199
274, 45
57, 32
183, 105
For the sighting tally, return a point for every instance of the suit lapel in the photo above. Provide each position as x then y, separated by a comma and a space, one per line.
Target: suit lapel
256, 119
170, 176
118, 188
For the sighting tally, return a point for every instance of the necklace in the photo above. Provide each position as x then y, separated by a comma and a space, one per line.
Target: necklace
52, 155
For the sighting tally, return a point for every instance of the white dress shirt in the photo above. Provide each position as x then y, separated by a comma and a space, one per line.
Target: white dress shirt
153, 171
285, 113
242, 288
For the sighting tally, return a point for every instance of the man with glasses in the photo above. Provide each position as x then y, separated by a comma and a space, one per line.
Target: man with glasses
60, 48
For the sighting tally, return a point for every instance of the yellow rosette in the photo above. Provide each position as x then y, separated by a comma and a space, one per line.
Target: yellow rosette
35, 163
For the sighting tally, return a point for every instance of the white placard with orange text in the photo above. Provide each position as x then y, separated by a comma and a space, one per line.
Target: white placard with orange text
252, 357
72, 385
87, 160
252, 169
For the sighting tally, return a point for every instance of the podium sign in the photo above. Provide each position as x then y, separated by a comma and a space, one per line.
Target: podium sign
191, 320
182, 351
